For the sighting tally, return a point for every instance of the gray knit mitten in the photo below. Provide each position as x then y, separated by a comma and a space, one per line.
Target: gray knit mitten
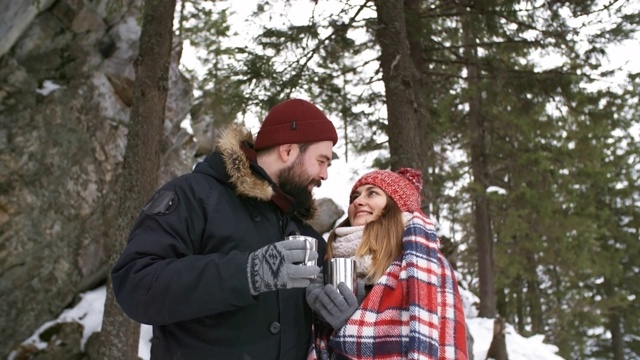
334, 306
274, 267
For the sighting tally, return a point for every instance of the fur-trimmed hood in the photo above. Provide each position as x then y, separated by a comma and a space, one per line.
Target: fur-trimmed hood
237, 164
238, 167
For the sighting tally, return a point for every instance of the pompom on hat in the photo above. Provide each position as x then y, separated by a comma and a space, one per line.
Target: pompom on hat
403, 186
294, 121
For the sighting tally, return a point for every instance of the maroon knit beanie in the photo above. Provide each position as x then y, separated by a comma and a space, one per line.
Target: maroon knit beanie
294, 121
403, 186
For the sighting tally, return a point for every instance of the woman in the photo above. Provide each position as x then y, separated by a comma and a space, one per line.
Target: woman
407, 304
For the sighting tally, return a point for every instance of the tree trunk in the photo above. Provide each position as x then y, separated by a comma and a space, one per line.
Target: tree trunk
400, 80
498, 348
413, 24
120, 335
617, 338
477, 131
520, 310
535, 306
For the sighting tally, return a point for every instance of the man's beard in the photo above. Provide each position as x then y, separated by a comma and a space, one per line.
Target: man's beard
294, 181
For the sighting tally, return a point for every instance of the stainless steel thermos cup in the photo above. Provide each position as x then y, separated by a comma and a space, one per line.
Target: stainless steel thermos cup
342, 270
311, 244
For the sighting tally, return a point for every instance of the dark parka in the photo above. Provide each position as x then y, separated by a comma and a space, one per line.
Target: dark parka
184, 270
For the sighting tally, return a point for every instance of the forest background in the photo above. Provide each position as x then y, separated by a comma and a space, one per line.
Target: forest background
527, 136
514, 96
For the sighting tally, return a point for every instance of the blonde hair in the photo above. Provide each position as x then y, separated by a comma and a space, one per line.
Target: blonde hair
381, 238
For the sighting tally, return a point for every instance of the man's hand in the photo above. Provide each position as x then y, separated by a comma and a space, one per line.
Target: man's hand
272, 267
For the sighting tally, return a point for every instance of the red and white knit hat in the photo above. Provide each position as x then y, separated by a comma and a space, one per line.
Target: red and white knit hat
403, 186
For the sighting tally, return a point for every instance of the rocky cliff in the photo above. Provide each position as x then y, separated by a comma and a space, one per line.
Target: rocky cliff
66, 87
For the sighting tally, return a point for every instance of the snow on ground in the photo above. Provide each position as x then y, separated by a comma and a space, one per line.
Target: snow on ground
89, 310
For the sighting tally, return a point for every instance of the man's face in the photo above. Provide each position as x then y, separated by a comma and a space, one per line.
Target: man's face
307, 171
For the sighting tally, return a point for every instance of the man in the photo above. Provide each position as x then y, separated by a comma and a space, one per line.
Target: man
207, 263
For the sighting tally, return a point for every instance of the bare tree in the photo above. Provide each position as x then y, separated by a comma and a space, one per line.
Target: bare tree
120, 335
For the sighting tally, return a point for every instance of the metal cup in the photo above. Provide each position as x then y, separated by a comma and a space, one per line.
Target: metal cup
342, 270
311, 244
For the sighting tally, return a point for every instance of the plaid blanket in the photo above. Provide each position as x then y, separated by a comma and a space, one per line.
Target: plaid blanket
413, 312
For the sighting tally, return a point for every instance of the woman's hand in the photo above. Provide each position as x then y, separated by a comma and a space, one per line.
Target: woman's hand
333, 306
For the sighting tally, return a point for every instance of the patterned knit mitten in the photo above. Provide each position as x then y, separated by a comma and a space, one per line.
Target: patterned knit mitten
273, 267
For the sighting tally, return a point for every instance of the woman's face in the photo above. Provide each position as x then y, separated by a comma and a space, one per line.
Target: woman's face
366, 204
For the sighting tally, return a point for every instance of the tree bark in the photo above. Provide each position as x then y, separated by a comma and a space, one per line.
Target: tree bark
535, 305
401, 79
413, 24
479, 169
120, 335
498, 348
617, 336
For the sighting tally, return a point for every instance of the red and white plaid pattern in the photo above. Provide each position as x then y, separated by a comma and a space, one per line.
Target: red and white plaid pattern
413, 312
